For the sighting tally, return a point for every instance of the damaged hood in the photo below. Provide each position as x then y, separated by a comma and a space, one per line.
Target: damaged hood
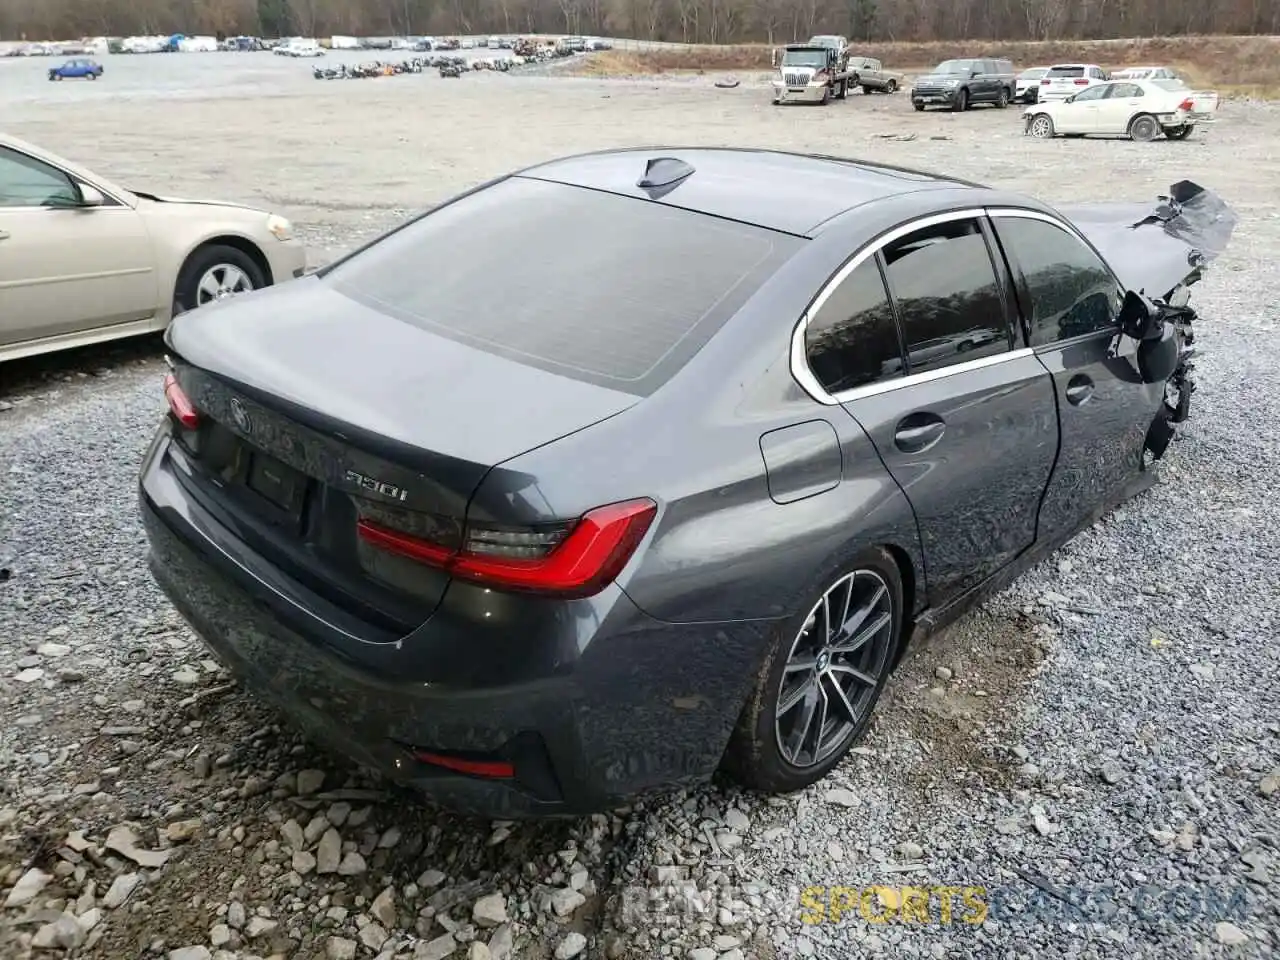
184, 200
1157, 247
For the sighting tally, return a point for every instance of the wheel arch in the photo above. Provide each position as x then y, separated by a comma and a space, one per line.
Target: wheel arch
912, 598
236, 242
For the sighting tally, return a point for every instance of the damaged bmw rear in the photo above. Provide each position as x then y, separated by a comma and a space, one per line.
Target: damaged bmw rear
661, 476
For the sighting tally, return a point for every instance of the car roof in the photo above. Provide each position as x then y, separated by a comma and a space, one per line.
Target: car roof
789, 192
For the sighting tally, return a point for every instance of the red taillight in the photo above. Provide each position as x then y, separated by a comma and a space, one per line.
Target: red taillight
180, 404
574, 562
1187, 104
1080, 82
493, 769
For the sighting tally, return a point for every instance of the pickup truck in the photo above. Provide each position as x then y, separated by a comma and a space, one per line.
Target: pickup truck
810, 73
872, 77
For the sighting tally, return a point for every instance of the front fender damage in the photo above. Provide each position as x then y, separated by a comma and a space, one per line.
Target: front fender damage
1158, 252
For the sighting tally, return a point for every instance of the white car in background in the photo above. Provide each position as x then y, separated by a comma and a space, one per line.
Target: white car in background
1063, 80
1026, 85
300, 48
1138, 109
83, 260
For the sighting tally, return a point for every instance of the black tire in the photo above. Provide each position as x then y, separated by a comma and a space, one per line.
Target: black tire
1003, 100
842, 91
867, 91
1181, 133
919, 107
755, 756
207, 258
961, 102
891, 86
1041, 126
826, 95
1143, 128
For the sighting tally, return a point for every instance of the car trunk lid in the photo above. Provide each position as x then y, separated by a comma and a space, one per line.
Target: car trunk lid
316, 413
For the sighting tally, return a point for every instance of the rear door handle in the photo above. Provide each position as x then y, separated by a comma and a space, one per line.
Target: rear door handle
918, 432
1079, 389
4, 235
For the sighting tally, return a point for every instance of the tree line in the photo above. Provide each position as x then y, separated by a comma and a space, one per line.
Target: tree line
690, 21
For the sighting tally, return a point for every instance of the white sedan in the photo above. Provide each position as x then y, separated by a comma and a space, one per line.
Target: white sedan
83, 260
1138, 109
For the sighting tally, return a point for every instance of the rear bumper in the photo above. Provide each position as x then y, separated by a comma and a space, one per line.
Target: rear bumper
609, 707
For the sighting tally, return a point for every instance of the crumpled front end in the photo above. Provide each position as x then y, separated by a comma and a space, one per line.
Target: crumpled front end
1159, 248
1158, 252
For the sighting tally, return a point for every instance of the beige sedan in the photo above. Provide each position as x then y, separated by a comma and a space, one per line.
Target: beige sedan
83, 260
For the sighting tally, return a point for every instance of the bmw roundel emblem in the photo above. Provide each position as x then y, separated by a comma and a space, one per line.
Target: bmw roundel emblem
240, 415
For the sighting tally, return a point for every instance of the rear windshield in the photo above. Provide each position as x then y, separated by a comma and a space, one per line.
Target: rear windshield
1170, 85
1065, 72
608, 289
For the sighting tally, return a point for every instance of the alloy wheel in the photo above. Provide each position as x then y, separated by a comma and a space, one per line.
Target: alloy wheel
221, 281
834, 668
1042, 127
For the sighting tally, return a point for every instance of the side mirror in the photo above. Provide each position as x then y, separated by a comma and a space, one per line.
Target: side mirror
973, 73
1139, 317
91, 196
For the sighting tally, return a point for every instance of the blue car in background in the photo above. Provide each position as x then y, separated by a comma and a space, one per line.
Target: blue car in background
74, 69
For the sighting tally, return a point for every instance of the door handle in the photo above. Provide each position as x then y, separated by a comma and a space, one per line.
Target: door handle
918, 432
1079, 389
4, 235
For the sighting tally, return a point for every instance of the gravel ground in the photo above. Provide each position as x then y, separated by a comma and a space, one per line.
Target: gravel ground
1096, 750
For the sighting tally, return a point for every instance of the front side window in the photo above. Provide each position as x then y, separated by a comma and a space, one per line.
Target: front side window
1071, 291
947, 295
26, 182
852, 340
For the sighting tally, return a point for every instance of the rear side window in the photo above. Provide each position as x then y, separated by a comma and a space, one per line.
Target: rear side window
852, 340
948, 300
1070, 289
592, 285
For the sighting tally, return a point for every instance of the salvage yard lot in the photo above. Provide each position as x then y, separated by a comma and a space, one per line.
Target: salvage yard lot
1111, 721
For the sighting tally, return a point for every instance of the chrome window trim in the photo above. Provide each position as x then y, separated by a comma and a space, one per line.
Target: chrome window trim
799, 359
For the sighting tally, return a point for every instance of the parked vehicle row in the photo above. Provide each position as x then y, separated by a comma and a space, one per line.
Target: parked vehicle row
1073, 99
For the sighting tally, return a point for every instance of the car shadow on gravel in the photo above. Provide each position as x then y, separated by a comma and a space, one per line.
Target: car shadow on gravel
251, 812
958, 699
26, 382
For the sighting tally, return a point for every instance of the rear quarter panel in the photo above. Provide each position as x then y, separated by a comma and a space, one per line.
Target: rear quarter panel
722, 548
